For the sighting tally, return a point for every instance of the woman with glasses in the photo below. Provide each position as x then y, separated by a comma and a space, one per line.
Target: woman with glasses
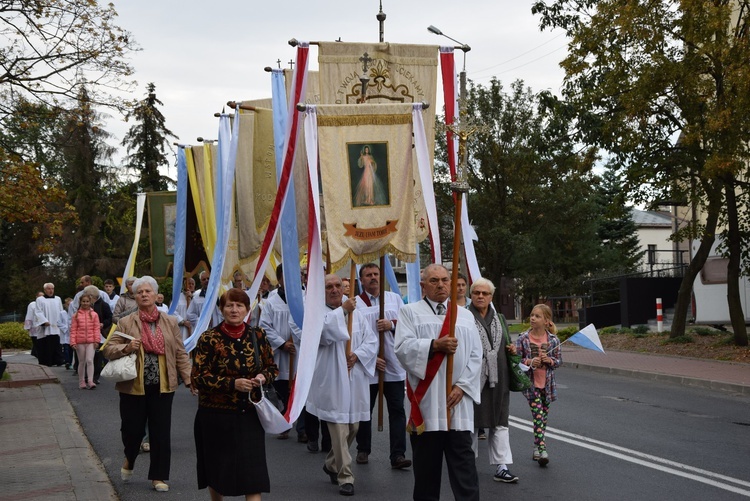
492, 413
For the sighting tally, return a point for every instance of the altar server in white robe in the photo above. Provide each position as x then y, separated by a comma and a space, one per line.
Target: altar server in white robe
340, 389
48, 309
183, 302
423, 352
196, 305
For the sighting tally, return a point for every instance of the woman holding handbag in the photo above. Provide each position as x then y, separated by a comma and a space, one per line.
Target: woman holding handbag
493, 412
147, 399
232, 362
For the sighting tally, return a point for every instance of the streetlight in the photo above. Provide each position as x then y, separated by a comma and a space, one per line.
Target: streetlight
436, 31
459, 186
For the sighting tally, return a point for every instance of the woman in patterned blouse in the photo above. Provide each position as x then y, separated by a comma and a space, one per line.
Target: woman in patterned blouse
228, 371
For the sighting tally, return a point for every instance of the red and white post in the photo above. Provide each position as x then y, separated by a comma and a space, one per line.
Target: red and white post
659, 315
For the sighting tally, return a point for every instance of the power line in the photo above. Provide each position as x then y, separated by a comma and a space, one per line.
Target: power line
523, 54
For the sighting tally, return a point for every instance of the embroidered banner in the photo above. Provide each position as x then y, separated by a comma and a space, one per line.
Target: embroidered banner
398, 73
366, 165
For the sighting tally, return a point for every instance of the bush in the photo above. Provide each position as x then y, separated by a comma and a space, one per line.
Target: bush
518, 328
165, 287
641, 329
565, 333
685, 339
705, 331
609, 330
13, 335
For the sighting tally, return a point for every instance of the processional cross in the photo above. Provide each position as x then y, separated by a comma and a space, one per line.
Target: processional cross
366, 60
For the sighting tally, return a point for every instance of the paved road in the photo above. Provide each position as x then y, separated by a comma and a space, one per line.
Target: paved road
611, 437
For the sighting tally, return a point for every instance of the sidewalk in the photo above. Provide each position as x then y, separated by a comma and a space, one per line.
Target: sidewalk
47, 456
710, 374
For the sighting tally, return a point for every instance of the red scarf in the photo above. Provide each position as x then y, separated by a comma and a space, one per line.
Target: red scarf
152, 343
233, 331
416, 421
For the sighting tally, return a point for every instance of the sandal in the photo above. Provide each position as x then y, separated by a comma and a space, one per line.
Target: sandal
160, 486
126, 474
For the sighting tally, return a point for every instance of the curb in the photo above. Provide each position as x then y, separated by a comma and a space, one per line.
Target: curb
656, 376
49, 377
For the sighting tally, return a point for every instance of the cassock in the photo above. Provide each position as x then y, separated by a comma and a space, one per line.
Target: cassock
417, 327
338, 395
276, 320
48, 310
194, 311
393, 303
181, 312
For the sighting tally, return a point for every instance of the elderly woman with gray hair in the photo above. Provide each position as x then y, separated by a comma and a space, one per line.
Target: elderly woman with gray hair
493, 412
126, 304
147, 399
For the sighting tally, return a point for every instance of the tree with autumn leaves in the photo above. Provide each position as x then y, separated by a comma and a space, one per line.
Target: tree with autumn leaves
664, 88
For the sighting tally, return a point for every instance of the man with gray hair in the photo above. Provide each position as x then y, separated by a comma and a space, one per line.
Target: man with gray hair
440, 424
102, 309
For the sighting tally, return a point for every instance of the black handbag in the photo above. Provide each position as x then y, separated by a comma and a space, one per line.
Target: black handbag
518, 380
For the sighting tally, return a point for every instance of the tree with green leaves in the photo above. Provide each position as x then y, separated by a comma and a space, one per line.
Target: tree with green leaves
664, 87
617, 231
87, 178
147, 142
531, 194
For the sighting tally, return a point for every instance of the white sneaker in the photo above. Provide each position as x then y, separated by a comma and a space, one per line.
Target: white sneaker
535, 455
543, 458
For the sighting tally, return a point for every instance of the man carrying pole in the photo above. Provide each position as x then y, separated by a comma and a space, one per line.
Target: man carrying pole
422, 344
389, 370
339, 393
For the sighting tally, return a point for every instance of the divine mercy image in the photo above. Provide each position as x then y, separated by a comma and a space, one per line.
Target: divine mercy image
368, 174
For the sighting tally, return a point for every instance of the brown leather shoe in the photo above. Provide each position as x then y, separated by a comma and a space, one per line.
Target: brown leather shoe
400, 463
362, 458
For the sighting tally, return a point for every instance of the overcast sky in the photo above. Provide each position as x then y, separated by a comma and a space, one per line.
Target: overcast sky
202, 54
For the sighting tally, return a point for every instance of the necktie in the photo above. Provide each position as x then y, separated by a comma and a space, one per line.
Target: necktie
441, 309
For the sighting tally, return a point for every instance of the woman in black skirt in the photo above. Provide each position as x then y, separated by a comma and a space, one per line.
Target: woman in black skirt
229, 439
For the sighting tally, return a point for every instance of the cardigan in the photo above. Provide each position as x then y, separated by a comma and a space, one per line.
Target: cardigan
175, 359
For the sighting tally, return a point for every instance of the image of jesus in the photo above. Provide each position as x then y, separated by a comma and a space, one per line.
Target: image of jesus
370, 190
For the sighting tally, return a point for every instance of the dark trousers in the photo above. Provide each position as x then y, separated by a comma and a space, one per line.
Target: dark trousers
154, 408
98, 363
312, 425
282, 388
428, 450
393, 394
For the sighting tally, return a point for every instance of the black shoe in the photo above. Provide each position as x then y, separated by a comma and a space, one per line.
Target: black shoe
362, 457
400, 463
504, 475
347, 490
302, 438
331, 475
312, 446
96, 381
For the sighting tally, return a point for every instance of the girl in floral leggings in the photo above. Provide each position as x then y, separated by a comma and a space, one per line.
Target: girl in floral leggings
539, 348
